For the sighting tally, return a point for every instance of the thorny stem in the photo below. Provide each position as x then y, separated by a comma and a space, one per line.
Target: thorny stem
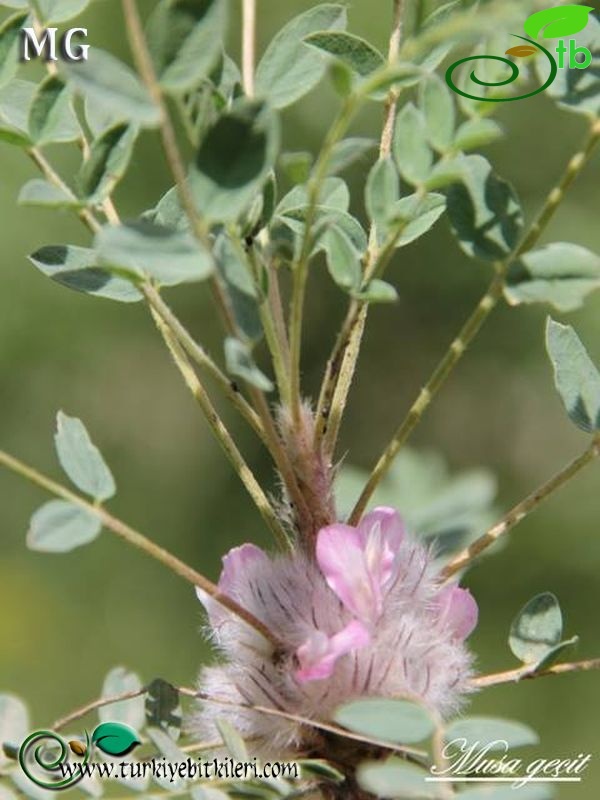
136, 539
522, 509
526, 673
342, 363
248, 45
145, 67
471, 328
230, 448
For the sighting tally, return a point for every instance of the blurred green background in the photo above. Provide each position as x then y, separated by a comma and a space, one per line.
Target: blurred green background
66, 620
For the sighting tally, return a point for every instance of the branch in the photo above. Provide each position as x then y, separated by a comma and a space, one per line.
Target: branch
473, 325
525, 673
522, 509
248, 45
224, 437
137, 540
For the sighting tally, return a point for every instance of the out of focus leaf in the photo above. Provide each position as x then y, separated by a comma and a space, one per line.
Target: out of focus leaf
396, 721
239, 362
411, 151
394, 778
9, 45
560, 274
343, 261
536, 629
51, 116
377, 291
143, 248
185, 39
232, 740
14, 722
348, 151
437, 106
38, 192
131, 712
575, 375
234, 160
240, 288
491, 732
15, 101
107, 163
353, 51
110, 83
59, 526
296, 166
289, 69
81, 459
381, 193
484, 211
475, 133
78, 268
163, 707
322, 770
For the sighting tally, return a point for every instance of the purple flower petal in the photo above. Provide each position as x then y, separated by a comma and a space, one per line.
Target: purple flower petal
458, 610
235, 567
318, 655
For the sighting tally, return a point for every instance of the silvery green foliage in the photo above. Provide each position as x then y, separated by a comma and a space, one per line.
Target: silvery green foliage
260, 208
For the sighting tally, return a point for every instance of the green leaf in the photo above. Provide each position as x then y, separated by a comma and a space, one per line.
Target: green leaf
576, 89
575, 375
15, 101
172, 753
146, 249
234, 160
163, 707
240, 288
59, 527
320, 769
381, 193
536, 629
484, 212
109, 158
342, 259
81, 459
14, 722
356, 53
411, 151
289, 68
334, 194
394, 778
349, 151
296, 166
52, 10
9, 45
37, 192
377, 291
415, 215
239, 361
553, 23
234, 744
438, 110
112, 85
552, 655
560, 274
185, 38
51, 116
130, 712
78, 268
475, 133
115, 738
491, 733
530, 791
397, 721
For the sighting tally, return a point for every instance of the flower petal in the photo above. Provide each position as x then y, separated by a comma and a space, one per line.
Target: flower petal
381, 532
458, 610
318, 655
342, 561
235, 567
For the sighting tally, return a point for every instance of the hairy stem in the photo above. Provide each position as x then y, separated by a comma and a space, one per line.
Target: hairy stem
136, 539
526, 673
522, 509
248, 45
222, 434
473, 325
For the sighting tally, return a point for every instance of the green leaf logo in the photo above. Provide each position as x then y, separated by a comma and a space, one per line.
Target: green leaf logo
115, 738
556, 22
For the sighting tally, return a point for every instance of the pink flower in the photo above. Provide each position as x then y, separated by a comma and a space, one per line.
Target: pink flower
318, 655
458, 611
360, 564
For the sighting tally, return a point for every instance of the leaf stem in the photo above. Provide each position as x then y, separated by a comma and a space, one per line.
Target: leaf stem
522, 509
248, 45
175, 161
474, 323
525, 673
137, 540
223, 436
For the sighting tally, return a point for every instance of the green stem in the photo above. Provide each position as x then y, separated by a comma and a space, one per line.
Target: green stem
522, 509
223, 436
473, 325
136, 539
